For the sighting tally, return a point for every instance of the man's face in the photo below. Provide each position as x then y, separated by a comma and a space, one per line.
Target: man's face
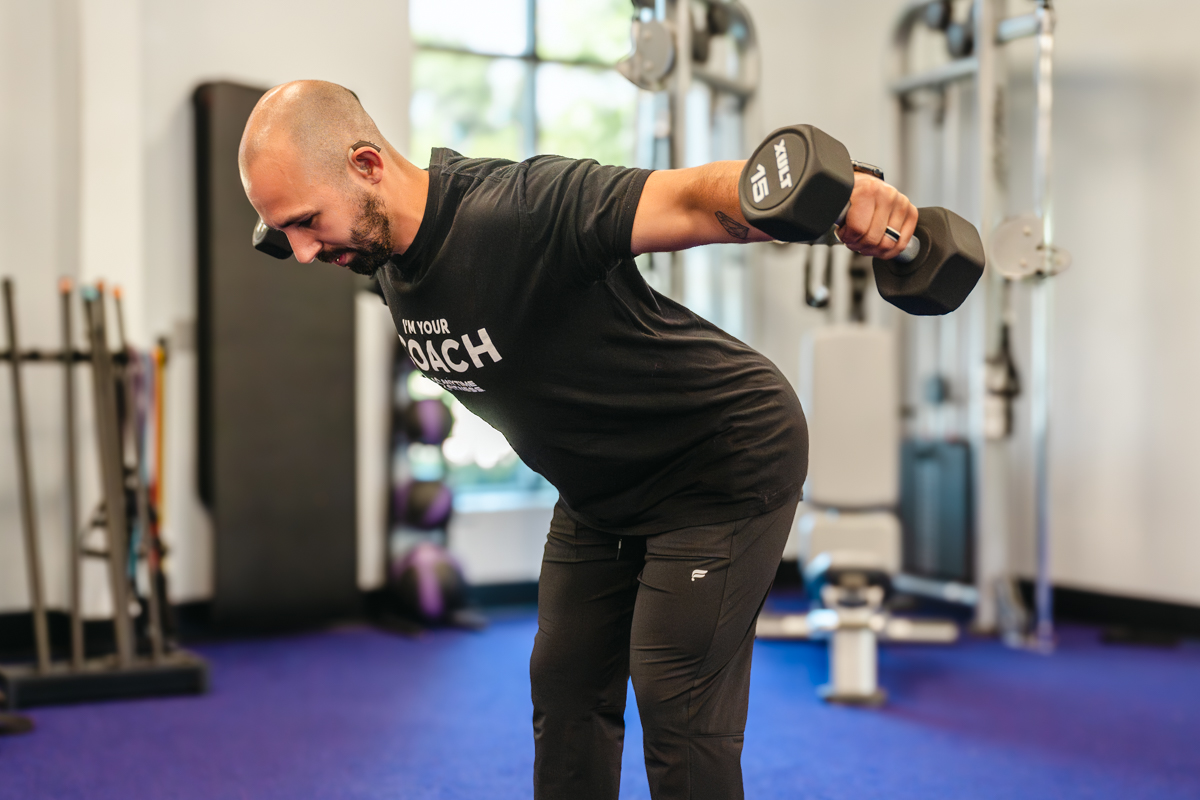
344, 225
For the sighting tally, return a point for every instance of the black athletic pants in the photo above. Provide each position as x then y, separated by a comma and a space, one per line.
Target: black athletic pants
676, 611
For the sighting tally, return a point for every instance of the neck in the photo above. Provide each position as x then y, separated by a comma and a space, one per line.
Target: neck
406, 203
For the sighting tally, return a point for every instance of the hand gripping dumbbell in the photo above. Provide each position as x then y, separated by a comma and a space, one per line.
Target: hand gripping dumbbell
797, 185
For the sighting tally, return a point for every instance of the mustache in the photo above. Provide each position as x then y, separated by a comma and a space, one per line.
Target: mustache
331, 256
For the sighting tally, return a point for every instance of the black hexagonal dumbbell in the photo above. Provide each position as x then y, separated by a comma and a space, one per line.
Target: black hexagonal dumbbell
270, 241
797, 185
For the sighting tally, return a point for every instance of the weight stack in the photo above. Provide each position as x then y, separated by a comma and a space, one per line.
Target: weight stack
936, 511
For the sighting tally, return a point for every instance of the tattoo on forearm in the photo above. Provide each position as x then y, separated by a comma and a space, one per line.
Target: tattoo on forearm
734, 228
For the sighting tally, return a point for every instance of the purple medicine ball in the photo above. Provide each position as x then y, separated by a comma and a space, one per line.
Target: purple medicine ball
428, 583
427, 421
425, 505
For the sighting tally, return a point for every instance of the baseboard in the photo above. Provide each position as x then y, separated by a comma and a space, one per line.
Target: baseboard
194, 623
1136, 617
17, 638
1142, 618
1129, 617
505, 594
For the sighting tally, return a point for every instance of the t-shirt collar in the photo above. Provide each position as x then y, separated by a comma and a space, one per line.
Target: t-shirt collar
406, 260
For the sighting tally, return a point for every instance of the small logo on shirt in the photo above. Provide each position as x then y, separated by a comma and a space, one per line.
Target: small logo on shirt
457, 386
699, 573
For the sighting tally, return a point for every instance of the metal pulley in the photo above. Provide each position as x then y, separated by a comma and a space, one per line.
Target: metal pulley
653, 56
1019, 250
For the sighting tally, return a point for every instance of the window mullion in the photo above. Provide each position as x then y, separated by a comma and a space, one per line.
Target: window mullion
529, 111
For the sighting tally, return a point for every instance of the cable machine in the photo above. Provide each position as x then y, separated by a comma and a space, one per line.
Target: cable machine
961, 374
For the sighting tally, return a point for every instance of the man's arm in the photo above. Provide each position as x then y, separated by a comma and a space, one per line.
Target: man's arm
682, 208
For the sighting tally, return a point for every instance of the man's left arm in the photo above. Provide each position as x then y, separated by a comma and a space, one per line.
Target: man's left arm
682, 208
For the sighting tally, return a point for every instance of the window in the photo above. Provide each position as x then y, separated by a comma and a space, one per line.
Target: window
514, 78
511, 79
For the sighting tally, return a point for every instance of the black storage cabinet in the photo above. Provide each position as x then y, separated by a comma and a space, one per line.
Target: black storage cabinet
275, 342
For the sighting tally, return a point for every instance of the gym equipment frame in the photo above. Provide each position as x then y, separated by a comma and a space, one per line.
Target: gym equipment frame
852, 591
977, 46
126, 673
664, 30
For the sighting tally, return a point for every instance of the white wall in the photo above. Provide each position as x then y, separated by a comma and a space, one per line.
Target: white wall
96, 167
39, 225
1125, 434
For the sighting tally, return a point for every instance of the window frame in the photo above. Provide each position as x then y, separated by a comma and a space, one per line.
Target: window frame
528, 114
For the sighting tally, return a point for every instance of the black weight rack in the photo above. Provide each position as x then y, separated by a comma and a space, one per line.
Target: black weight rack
164, 669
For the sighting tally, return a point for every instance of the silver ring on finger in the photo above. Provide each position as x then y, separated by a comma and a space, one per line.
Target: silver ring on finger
892, 233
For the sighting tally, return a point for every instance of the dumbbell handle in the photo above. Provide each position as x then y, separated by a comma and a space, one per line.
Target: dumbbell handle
913, 249
909, 253
906, 256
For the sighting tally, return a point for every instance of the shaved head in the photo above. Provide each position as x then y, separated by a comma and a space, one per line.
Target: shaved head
317, 121
315, 167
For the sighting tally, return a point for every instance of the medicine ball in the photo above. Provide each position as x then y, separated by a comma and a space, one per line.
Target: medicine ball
428, 583
424, 505
427, 421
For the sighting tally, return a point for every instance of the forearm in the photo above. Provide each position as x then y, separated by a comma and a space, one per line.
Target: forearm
682, 208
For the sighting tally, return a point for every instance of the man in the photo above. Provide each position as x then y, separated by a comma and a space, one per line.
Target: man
679, 452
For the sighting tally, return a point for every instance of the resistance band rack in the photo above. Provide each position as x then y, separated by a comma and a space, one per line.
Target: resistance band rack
1020, 249
127, 673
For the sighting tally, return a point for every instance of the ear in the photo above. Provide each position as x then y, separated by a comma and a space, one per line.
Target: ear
365, 163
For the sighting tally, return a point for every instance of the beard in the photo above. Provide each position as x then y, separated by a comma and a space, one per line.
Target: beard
371, 236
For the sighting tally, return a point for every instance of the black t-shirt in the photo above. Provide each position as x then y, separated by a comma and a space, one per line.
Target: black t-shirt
519, 294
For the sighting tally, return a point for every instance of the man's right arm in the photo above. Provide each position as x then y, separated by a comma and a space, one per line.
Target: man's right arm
682, 208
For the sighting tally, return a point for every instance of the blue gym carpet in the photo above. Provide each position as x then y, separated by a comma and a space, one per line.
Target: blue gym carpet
356, 713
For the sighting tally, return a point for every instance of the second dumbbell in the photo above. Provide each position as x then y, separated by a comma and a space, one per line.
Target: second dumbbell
797, 184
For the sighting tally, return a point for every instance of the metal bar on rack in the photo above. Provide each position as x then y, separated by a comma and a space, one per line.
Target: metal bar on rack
156, 488
1041, 313
154, 628
108, 439
33, 558
1014, 28
681, 86
160, 388
722, 84
35, 356
959, 70
71, 487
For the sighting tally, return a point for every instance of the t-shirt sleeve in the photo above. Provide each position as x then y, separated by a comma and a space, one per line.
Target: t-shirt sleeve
579, 214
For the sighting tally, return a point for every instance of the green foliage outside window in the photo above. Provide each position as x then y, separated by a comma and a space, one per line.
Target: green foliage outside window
583, 30
468, 103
